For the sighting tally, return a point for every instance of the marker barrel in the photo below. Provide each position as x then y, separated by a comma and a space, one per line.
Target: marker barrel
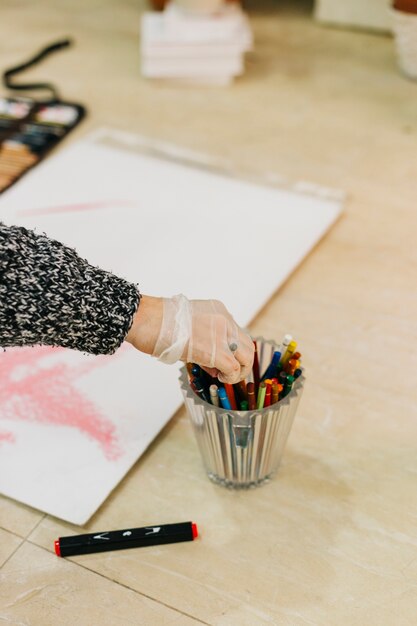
127, 538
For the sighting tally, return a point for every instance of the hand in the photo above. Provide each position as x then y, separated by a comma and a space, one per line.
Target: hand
195, 331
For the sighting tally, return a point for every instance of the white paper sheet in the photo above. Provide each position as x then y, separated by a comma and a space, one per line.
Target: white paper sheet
71, 425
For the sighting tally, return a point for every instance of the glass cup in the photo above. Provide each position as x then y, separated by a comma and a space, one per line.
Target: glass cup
242, 449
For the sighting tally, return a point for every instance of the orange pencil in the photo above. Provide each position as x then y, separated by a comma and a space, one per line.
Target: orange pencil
275, 393
291, 366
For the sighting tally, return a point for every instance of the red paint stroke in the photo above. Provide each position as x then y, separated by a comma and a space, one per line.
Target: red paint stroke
6, 436
46, 394
74, 208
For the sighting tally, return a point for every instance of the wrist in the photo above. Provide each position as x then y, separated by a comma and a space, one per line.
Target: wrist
146, 324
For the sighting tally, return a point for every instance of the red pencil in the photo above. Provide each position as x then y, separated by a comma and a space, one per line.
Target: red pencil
255, 368
231, 395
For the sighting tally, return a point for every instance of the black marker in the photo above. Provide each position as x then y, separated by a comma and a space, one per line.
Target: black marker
128, 538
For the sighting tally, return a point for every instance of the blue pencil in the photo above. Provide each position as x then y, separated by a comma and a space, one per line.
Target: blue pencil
224, 400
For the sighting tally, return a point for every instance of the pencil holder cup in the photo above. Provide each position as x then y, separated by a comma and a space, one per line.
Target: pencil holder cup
242, 449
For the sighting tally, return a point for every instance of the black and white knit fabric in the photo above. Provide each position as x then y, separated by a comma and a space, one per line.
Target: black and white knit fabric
50, 296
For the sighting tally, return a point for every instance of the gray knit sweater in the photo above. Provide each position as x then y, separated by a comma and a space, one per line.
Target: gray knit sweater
50, 296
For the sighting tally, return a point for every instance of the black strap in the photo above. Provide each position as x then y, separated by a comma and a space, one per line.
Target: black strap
33, 61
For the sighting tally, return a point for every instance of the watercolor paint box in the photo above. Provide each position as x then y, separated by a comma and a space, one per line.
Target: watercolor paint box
29, 130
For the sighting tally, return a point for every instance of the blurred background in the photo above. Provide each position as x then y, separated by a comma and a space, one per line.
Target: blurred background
321, 92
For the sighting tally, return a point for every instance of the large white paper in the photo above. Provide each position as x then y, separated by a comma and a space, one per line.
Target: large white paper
71, 425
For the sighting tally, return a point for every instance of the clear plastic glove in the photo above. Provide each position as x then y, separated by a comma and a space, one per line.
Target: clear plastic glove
204, 332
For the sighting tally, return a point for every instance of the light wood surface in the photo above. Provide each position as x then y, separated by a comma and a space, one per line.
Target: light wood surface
332, 539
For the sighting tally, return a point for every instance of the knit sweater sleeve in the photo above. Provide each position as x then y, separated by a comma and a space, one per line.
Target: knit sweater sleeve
50, 296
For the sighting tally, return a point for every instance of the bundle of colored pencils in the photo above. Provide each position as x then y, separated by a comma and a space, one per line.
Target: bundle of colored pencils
258, 392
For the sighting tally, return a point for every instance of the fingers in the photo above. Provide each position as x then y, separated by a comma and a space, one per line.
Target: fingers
214, 334
232, 367
236, 370
211, 371
244, 354
228, 366
235, 353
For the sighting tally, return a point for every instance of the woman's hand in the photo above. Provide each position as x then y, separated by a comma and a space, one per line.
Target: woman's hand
194, 331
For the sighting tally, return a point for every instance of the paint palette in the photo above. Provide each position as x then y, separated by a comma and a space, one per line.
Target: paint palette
29, 130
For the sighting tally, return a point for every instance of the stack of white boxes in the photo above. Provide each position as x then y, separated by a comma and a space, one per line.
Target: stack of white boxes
191, 47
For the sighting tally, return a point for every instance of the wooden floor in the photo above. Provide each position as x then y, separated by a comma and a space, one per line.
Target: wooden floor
332, 540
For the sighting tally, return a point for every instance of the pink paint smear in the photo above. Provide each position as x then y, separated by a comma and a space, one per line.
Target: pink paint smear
75, 208
6, 436
46, 394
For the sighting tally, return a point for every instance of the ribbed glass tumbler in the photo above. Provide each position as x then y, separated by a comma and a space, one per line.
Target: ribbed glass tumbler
242, 449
